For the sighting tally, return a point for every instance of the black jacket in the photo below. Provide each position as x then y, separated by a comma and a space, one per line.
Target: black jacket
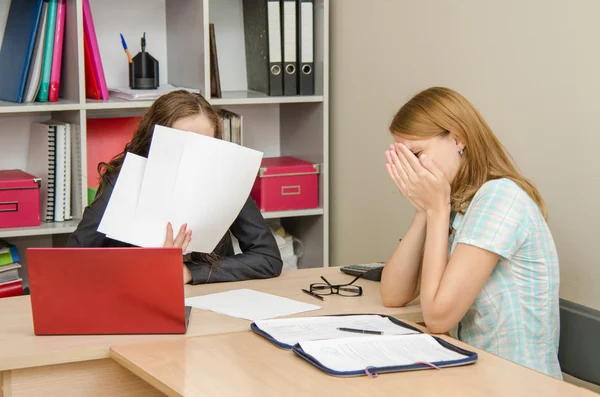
260, 256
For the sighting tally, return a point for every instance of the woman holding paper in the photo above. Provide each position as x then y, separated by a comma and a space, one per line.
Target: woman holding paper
260, 256
492, 279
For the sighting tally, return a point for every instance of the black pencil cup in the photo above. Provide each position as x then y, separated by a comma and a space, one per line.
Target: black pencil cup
143, 72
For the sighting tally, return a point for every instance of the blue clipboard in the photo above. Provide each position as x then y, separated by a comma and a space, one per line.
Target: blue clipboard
471, 357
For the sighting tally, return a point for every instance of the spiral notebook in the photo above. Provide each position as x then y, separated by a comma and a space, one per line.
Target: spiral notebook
41, 162
50, 158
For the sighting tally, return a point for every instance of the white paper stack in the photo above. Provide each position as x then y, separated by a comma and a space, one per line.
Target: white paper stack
187, 178
145, 95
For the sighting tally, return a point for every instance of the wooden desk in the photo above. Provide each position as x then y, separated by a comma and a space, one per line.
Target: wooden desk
60, 365
244, 364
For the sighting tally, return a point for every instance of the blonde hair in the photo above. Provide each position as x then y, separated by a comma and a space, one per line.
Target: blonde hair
438, 111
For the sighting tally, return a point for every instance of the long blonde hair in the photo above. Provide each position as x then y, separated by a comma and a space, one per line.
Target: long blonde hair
438, 111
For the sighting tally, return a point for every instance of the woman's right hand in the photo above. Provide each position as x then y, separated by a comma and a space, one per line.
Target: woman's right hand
393, 171
182, 239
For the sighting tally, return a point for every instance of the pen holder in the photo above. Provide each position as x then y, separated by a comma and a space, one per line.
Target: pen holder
143, 72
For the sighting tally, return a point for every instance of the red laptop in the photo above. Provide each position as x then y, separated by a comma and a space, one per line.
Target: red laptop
77, 291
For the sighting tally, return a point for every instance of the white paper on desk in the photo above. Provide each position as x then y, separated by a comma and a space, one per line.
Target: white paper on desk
249, 304
356, 354
293, 330
117, 221
188, 178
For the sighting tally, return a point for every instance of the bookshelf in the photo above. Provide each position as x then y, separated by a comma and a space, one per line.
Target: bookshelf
177, 35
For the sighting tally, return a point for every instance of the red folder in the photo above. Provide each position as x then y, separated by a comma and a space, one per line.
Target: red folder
12, 288
106, 137
91, 86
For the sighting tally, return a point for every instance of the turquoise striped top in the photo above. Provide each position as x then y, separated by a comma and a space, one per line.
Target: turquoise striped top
516, 314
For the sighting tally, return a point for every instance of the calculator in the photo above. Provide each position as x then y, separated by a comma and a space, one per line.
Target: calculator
370, 271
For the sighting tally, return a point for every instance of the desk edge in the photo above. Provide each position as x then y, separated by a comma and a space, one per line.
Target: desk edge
140, 373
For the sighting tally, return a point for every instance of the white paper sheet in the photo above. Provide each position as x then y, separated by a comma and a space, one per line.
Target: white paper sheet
249, 304
225, 176
188, 178
356, 354
155, 198
117, 221
293, 330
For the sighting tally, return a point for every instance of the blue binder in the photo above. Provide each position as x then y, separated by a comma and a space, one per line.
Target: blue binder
470, 357
17, 47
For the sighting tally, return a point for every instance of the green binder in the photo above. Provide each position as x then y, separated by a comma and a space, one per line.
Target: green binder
48, 52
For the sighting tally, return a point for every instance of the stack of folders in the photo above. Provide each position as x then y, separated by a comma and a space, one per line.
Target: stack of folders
279, 39
10, 282
53, 149
335, 345
30, 62
232, 126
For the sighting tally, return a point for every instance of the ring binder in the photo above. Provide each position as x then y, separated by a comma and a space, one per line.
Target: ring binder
262, 32
306, 47
290, 47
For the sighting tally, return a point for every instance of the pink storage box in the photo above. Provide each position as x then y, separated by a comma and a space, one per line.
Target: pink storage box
286, 183
19, 199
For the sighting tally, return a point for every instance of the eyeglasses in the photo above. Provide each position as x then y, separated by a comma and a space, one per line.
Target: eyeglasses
339, 289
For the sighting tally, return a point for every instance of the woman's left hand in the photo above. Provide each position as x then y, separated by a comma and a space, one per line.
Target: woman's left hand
426, 185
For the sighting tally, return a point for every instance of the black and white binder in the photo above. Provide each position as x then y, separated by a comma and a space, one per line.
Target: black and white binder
41, 162
306, 47
262, 31
290, 47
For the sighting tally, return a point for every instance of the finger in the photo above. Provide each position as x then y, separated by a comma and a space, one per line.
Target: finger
400, 185
397, 179
430, 166
390, 170
410, 157
402, 166
180, 236
169, 238
402, 177
388, 157
186, 241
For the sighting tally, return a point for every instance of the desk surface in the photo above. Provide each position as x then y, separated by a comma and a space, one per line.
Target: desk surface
201, 366
20, 348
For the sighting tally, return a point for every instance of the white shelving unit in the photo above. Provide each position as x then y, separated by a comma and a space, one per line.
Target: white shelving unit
46, 229
177, 35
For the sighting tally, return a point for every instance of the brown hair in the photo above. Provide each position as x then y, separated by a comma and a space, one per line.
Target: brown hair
438, 111
165, 111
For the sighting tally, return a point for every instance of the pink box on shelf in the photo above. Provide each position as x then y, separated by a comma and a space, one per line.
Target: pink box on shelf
19, 199
286, 183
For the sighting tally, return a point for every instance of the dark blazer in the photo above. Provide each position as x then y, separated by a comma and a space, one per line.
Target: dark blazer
260, 256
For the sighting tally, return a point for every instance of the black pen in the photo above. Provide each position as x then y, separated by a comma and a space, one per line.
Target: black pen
360, 331
313, 294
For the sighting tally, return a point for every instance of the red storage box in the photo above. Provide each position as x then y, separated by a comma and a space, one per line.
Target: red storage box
19, 199
286, 183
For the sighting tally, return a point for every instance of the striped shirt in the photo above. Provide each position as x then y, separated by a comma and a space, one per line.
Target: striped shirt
516, 314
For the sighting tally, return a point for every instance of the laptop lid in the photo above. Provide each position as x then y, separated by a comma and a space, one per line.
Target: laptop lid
78, 291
